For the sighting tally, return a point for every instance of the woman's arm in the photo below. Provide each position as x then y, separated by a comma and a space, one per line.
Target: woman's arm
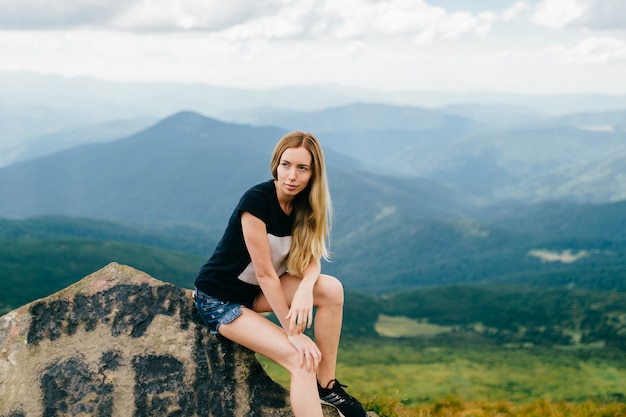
255, 236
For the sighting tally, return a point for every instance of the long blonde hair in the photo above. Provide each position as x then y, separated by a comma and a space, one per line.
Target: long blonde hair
312, 206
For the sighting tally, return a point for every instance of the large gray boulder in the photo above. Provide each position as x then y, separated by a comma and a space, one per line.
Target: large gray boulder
120, 343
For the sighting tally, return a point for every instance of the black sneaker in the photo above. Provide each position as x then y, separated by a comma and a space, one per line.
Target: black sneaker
347, 405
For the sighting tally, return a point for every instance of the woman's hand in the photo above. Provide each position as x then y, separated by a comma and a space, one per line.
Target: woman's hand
300, 314
310, 355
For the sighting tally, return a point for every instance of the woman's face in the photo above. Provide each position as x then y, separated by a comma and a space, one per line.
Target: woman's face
294, 171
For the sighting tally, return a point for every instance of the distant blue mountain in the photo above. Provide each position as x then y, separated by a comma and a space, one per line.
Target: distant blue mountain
493, 152
191, 169
361, 117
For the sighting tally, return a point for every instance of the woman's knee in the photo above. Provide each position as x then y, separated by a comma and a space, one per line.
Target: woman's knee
293, 363
329, 290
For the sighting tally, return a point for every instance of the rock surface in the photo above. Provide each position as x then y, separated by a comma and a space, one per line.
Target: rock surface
121, 343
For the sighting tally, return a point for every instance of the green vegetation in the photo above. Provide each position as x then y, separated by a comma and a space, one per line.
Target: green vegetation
43, 255
506, 314
33, 268
392, 253
426, 252
487, 350
421, 373
453, 406
183, 238
412, 377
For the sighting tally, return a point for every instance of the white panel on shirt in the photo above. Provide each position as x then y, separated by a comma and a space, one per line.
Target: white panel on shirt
279, 248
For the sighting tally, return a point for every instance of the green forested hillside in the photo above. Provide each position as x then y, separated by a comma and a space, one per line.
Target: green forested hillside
395, 253
42, 255
184, 238
495, 315
36, 268
389, 253
531, 314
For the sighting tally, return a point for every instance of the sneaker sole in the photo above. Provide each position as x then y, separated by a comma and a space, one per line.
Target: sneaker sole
327, 403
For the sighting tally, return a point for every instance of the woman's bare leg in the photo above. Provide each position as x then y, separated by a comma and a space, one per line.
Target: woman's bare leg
328, 297
262, 336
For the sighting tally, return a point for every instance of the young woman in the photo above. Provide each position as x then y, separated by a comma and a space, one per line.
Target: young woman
268, 260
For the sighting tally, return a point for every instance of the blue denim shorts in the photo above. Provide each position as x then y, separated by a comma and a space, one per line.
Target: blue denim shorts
214, 311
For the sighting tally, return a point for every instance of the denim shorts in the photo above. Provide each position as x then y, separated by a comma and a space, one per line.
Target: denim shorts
214, 311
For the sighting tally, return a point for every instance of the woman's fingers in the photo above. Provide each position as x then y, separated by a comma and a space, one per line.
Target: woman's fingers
293, 322
303, 360
300, 320
308, 352
311, 360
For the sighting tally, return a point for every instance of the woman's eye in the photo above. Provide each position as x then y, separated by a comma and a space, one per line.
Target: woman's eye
303, 169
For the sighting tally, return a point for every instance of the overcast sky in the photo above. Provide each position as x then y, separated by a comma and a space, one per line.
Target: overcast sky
532, 46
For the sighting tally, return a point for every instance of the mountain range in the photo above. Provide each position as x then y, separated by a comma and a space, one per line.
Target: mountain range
495, 153
391, 231
186, 169
36, 105
488, 153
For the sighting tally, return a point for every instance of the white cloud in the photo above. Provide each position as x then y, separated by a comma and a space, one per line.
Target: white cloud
559, 13
134, 15
261, 43
592, 14
606, 14
369, 19
514, 11
414, 18
208, 15
595, 50
44, 14
293, 19
268, 19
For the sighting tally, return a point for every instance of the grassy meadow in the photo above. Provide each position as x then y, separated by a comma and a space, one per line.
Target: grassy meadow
426, 375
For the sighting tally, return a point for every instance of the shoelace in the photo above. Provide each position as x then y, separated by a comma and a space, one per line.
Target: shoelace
338, 389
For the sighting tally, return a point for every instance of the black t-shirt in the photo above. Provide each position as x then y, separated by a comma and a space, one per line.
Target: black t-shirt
229, 275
